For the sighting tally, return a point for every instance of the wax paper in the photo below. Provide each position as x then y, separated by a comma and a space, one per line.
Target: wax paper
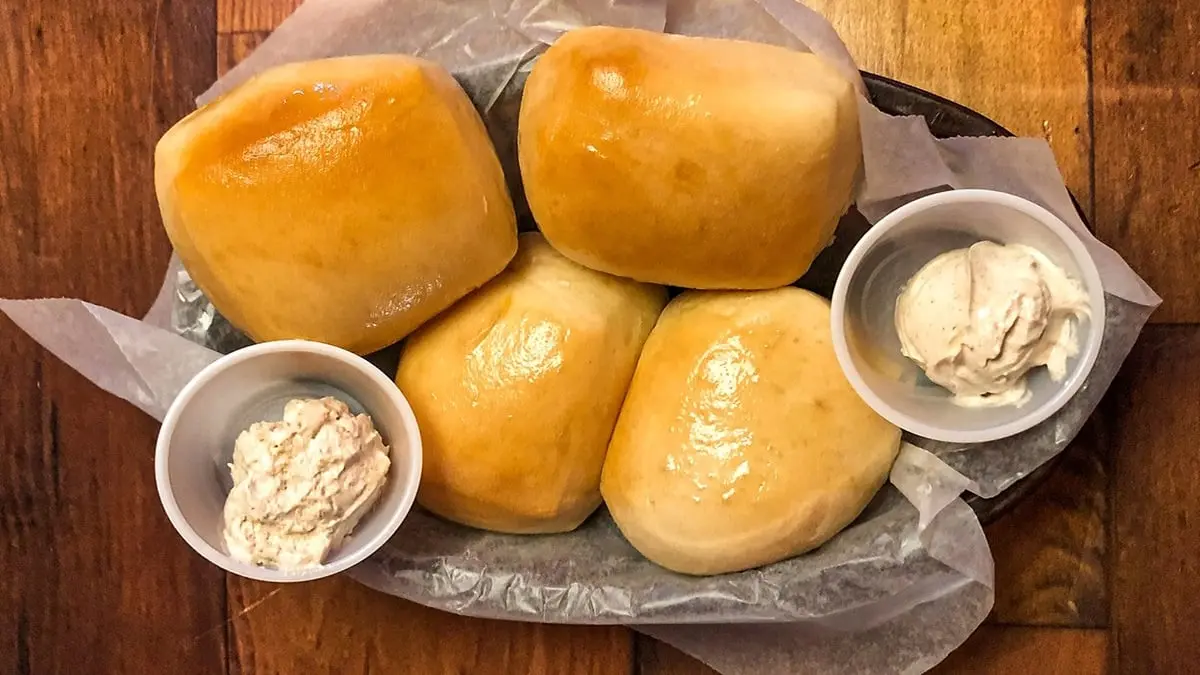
895, 592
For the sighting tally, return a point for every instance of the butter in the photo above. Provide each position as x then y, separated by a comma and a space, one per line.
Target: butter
301, 485
978, 319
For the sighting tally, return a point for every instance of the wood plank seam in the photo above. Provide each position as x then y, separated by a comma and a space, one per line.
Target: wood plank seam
1091, 109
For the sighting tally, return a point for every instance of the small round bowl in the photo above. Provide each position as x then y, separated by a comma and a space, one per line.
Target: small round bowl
864, 302
195, 444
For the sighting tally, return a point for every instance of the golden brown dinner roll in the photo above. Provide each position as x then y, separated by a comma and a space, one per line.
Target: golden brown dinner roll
517, 387
345, 200
687, 161
740, 442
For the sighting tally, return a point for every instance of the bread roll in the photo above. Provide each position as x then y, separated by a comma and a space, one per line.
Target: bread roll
345, 200
740, 442
517, 387
687, 161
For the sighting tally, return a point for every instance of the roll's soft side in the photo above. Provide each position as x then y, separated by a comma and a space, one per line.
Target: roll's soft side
740, 442
517, 389
687, 161
345, 200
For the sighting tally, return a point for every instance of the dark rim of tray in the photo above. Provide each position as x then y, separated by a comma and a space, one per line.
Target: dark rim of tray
946, 119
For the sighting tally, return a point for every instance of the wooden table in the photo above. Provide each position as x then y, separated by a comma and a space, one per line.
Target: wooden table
1099, 571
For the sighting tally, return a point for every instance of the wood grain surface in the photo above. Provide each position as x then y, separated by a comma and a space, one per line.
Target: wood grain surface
353, 629
1023, 63
1147, 171
252, 16
1156, 505
233, 47
991, 650
92, 577
995, 650
1097, 571
1051, 550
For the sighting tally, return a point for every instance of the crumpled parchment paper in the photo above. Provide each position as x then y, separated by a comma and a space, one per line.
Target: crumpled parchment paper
895, 592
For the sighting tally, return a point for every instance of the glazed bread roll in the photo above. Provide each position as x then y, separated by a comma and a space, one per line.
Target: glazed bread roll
517, 387
687, 161
345, 200
740, 442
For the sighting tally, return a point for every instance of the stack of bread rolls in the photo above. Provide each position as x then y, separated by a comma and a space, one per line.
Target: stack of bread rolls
358, 201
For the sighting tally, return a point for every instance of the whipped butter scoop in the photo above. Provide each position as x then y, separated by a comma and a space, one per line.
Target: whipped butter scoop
978, 319
302, 484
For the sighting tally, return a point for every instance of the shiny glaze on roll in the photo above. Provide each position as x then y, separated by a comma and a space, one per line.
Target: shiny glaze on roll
345, 201
686, 161
517, 388
740, 442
